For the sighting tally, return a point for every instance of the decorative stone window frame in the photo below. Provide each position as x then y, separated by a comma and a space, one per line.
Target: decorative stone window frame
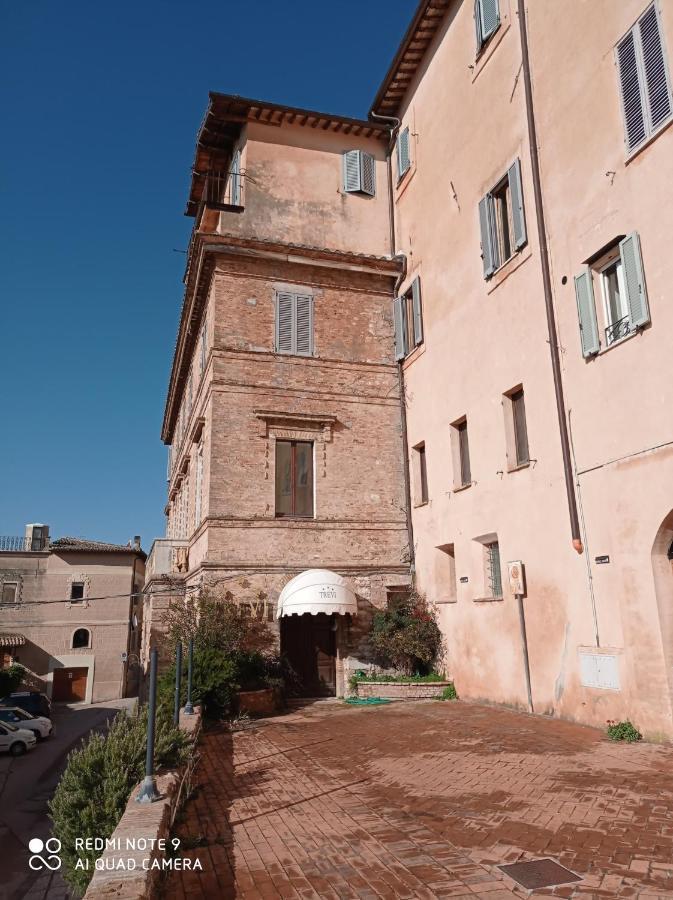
76, 579
9, 576
296, 426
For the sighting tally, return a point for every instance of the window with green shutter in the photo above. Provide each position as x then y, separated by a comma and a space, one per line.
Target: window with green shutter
502, 221
403, 152
408, 317
359, 173
486, 20
644, 80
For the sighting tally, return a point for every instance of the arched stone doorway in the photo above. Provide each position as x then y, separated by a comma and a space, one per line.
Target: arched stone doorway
662, 569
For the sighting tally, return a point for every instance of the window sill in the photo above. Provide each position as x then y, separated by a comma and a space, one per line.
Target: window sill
443, 602
519, 467
414, 355
294, 518
622, 340
489, 46
650, 140
507, 268
487, 599
404, 181
462, 487
422, 503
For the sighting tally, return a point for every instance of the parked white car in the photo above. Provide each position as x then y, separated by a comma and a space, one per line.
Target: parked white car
40, 725
16, 740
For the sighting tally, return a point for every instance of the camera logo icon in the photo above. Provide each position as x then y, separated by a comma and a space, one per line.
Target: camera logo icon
51, 860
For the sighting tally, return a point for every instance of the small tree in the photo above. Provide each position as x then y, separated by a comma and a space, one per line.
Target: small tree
406, 635
10, 678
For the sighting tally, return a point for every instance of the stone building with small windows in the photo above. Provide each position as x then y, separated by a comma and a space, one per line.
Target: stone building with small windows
71, 614
431, 347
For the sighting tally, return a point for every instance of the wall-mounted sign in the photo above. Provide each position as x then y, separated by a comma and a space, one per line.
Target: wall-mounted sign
464, 579
516, 579
602, 560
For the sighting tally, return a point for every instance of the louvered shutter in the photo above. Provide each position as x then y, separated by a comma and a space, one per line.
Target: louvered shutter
367, 174
636, 293
351, 167
418, 312
516, 195
586, 311
235, 198
489, 247
633, 101
304, 324
477, 22
403, 159
399, 312
657, 87
284, 322
490, 18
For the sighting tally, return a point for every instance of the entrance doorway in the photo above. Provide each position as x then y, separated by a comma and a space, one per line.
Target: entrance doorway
309, 643
70, 684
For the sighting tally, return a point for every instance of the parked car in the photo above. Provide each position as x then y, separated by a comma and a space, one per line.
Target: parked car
16, 740
40, 725
34, 702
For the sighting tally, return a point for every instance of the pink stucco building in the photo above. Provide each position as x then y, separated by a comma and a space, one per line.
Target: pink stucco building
506, 227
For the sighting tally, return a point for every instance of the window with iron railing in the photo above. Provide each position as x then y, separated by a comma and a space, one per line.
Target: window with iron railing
493, 569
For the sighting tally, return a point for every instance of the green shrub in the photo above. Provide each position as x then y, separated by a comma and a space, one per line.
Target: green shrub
10, 678
406, 635
97, 782
623, 731
449, 692
400, 679
214, 682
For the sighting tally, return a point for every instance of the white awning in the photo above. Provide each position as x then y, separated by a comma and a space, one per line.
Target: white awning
316, 591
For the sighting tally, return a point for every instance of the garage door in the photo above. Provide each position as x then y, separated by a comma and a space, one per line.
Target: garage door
70, 684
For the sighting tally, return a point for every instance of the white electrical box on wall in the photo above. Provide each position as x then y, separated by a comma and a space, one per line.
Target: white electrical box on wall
599, 670
516, 577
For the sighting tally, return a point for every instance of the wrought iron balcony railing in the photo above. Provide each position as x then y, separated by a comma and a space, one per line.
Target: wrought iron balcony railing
19, 544
617, 330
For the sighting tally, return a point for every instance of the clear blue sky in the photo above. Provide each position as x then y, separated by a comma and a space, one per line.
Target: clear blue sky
101, 103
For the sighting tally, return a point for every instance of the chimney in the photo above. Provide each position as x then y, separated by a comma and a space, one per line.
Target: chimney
136, 542
37, 536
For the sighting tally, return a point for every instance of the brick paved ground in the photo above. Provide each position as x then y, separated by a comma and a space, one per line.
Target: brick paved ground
423, 800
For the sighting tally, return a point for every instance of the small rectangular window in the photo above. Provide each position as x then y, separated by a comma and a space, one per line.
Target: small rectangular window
493, 572
502, 221
408, 315
10, 591
359, 173
522, 453
77, 591
420, 472
294, 479
461, 454
294, 323
644, 79
486, 20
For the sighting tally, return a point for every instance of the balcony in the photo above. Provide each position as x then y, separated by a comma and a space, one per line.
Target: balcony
168, 556
20, 544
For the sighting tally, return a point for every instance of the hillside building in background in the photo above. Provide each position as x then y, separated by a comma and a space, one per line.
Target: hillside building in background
490, 246
71, 614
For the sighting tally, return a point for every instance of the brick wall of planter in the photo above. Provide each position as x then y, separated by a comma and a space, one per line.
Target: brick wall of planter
401, 691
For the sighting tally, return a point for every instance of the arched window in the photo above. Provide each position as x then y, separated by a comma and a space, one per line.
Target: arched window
81, 638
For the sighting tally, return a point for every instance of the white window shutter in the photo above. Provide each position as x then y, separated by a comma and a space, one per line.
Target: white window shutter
489, 246
304, 324
418, 312
367, 174
490, 18
657, 86
477, 23
284, 322
633, 101
403, 157
516, 195
235, 198
399, 313
586, 312
351, 168
634, 279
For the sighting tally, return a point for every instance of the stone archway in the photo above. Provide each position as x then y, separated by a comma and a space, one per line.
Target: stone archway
662, 570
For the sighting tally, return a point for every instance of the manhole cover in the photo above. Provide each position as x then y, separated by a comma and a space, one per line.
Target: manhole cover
539, 873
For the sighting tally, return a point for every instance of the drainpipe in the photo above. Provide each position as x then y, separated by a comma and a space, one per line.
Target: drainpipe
546, 281
400, 278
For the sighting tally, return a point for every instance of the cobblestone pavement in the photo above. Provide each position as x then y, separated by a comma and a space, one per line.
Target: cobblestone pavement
424, 800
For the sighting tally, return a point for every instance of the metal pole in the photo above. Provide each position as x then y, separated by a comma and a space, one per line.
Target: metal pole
189, 709
148, 790
524, 642
178, 679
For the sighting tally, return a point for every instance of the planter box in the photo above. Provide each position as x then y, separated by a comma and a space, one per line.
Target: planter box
259, 703
402, 690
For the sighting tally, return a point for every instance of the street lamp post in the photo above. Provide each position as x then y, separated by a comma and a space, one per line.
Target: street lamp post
148, 790
189, 709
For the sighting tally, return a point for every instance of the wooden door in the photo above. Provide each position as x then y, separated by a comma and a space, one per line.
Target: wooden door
70, 684
309, 643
